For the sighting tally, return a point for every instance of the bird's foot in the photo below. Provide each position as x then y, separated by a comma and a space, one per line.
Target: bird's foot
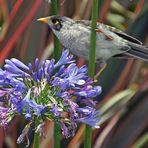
102, 66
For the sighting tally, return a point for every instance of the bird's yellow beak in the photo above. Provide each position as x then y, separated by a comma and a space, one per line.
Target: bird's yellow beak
44, 19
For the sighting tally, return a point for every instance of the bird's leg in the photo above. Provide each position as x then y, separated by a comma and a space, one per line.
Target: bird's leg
102, 66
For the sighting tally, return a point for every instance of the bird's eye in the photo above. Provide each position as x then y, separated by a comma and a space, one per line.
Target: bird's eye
55, 22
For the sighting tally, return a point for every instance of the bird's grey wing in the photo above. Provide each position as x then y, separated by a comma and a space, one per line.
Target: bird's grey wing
137, 50
123, 35
98, 29
118, 32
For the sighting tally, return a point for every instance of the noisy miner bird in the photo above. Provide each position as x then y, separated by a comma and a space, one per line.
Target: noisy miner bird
110, 42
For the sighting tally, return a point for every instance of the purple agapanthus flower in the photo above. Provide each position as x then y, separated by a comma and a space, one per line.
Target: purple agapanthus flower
91, 119
5, 115
58, 91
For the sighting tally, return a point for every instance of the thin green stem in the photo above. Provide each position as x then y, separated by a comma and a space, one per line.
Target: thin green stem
36, 143
93, 38
57, 54
88, 136
57, 51
56, 135
88, 130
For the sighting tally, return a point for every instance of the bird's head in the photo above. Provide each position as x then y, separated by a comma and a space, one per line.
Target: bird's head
63, 27
56, 23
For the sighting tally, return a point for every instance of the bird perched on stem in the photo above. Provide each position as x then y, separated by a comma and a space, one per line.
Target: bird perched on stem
110, 42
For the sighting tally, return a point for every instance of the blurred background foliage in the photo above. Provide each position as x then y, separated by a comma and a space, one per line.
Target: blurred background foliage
123, 104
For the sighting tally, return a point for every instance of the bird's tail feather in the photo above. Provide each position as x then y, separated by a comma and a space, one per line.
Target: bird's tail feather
138, 51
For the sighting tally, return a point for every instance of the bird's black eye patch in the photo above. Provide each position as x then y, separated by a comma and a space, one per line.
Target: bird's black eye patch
56, 24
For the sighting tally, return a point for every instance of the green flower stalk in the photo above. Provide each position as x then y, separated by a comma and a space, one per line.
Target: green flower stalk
88, 130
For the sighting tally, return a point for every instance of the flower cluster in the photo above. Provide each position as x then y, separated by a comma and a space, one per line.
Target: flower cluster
48, 90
